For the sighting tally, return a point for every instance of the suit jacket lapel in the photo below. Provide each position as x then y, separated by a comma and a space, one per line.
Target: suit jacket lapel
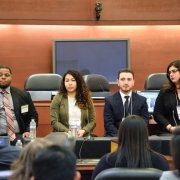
134, 101
14, 99
119, 103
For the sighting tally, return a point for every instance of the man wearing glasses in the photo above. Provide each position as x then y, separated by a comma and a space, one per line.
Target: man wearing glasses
167, 106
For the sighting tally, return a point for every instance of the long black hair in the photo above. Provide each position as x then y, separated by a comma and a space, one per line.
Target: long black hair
133, 143
83, 97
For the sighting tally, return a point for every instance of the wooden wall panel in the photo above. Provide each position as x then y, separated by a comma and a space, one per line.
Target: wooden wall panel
46, 9
140, 10
82, 12
28, 48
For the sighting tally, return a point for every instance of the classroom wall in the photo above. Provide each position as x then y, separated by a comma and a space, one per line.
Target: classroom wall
27, 29
28, 48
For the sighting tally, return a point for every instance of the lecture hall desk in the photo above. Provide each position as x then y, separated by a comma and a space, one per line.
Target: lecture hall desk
90, 151
44, 128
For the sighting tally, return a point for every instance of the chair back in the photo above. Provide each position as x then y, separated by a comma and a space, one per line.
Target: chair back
129, 174
41, 86
98, 85
155, 81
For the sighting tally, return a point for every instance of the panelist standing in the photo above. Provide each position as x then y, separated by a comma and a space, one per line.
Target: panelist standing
73, 104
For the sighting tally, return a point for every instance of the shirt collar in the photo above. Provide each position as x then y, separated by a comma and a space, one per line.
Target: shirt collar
7, 90
122, 94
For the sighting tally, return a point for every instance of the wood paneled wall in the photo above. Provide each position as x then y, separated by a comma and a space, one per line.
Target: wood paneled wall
83, 12
28, 48
28, 27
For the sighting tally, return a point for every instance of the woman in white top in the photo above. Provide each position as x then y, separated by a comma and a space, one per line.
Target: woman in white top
73, 106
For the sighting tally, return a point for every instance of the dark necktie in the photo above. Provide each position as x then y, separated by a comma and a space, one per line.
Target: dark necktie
126, 105
9, 116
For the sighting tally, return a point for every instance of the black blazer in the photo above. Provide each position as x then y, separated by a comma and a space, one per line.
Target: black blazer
165, 111
21, 98
114, 111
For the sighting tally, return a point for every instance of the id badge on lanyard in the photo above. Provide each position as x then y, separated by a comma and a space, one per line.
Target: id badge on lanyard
178, 111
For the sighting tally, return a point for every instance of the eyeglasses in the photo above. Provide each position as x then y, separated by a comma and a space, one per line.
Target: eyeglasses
173, 71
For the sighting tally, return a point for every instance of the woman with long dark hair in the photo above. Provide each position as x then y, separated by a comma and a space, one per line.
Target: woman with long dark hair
73, 106
167, 106
133, 149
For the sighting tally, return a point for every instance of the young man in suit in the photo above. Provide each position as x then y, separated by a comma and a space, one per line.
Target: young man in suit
123, 103
18, 107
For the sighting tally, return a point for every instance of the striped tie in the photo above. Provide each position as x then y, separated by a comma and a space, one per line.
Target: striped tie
9, 116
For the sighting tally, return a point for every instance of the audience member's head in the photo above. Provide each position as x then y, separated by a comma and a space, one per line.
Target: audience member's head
133, 132
61, 139
175, 148
54, 163
22, 168
133, 142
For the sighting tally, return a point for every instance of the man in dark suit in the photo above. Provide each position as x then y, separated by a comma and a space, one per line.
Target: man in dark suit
117, 107
21, 105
